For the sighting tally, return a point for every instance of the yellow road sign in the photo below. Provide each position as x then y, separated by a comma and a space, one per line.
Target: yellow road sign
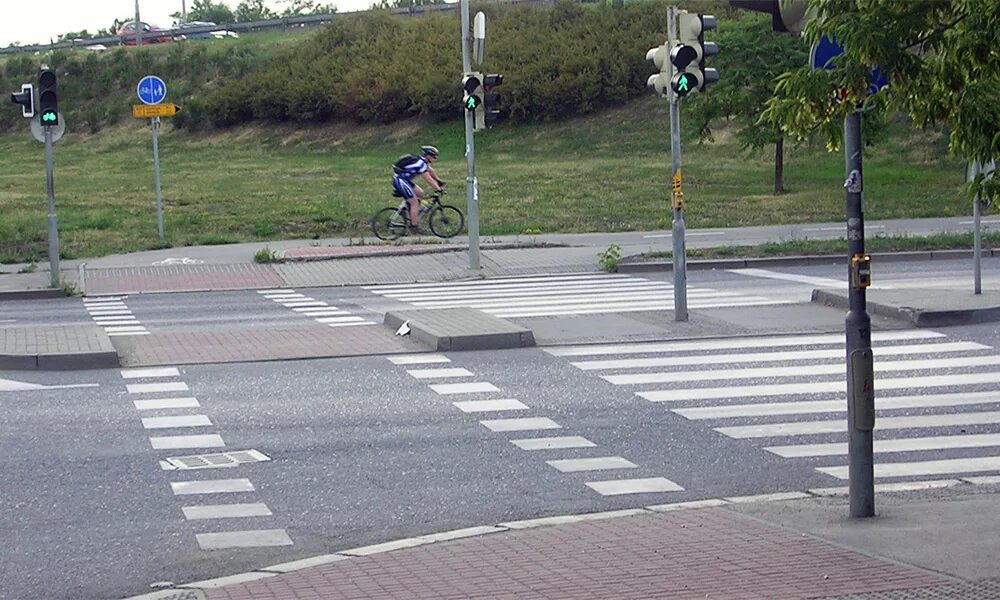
148, 111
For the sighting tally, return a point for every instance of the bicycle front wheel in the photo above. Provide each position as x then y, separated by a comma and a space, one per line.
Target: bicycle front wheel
388, 224
446, 221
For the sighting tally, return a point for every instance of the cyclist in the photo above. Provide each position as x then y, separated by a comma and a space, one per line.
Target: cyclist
408, 167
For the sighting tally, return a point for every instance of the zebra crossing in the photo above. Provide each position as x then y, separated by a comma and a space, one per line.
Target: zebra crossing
111, 313
555, 295
937, 399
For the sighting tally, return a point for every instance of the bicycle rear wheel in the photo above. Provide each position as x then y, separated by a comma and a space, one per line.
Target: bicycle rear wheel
388, 223
446, 221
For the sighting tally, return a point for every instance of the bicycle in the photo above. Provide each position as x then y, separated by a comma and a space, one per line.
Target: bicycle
444, 220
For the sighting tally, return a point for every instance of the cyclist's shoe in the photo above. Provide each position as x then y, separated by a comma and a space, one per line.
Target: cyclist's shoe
397, 224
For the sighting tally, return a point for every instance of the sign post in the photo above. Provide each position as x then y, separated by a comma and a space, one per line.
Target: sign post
677, 187
471, 183
152, 91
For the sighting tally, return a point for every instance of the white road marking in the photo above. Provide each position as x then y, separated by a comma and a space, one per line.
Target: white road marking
350, 324
618, 487
439, 373
403, 288
883, 403
226, 511
243, 539
793, 355
944, 442
162, 403
125, 329
321, 312
798, 371
601, 463
526, 424
472, 406
176, 421
418, 359
155, 372
817, 281
124, 333
927, 467
734, 343
840, 426
100, 320
553, 443
177, 442
304, 303
211, 486
12, 385
328, 320
129, 322
464, 388
275, 291
149, 388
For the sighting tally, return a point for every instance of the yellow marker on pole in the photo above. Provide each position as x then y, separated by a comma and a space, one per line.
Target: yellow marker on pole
678, 196
148, 111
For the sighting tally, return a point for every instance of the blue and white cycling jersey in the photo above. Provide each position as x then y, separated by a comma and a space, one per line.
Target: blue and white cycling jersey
402, 182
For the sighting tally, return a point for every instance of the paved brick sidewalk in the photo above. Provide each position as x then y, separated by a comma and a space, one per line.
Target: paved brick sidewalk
258, 343
703, 553
127, 280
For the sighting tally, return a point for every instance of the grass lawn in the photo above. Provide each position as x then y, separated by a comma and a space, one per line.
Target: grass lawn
608, 172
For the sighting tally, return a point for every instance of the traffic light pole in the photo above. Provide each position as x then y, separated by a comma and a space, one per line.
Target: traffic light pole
677, 195
53, 223
156, 176
471, 184
860, 390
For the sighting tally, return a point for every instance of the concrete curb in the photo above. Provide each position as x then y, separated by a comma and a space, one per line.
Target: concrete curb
452, 329
190, 591
60, 361
626, 266
919, 317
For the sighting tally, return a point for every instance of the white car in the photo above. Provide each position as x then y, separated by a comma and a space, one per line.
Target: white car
206, 35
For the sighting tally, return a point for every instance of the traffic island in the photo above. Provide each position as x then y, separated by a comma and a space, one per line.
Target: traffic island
923, 307
66, 348
448, 329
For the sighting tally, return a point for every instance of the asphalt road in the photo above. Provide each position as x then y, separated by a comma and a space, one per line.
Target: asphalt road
362, 451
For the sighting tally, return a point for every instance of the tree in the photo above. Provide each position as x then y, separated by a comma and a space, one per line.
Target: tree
298, 8
206, 10
76, 35
253, 10
390, 4
750, 60
942, 64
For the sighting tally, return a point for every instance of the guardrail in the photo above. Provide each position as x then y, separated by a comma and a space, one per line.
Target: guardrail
281, 23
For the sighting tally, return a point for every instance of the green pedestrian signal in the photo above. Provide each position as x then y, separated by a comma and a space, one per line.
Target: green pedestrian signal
472, 102
49, 118
683, 84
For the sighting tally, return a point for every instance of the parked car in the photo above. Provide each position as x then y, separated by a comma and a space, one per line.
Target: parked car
127, 31
206, 35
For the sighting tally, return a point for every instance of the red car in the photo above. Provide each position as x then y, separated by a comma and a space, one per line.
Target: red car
127, 32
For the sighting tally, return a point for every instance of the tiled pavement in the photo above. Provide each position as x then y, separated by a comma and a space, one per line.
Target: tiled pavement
253, 344
703, 553
66, 347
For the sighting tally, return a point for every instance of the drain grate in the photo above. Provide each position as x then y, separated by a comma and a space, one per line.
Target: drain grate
216, 461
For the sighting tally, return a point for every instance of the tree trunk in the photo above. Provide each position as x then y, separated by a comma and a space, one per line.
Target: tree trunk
779, 166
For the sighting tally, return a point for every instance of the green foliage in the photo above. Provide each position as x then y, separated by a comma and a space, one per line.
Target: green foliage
265, 255
943, 67
206, 10
610, 258
253, 10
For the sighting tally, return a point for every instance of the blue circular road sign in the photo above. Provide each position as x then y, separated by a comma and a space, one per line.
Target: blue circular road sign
151, 90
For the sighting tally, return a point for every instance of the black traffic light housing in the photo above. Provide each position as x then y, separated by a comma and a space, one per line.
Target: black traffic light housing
48, 98
26, 98
491, 98
472, 86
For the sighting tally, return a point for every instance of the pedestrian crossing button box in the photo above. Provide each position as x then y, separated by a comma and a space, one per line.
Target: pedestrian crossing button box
861, 271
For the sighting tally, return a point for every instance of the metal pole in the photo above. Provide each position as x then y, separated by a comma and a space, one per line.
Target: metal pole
50, 189
977, 234
858, 325
156, 176
138, 27
471, 183
677, 199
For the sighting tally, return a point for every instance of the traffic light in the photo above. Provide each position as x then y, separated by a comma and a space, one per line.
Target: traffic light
26, 99
659, 82
472, 85
491, 99
789, 16
48, 98
689, 53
